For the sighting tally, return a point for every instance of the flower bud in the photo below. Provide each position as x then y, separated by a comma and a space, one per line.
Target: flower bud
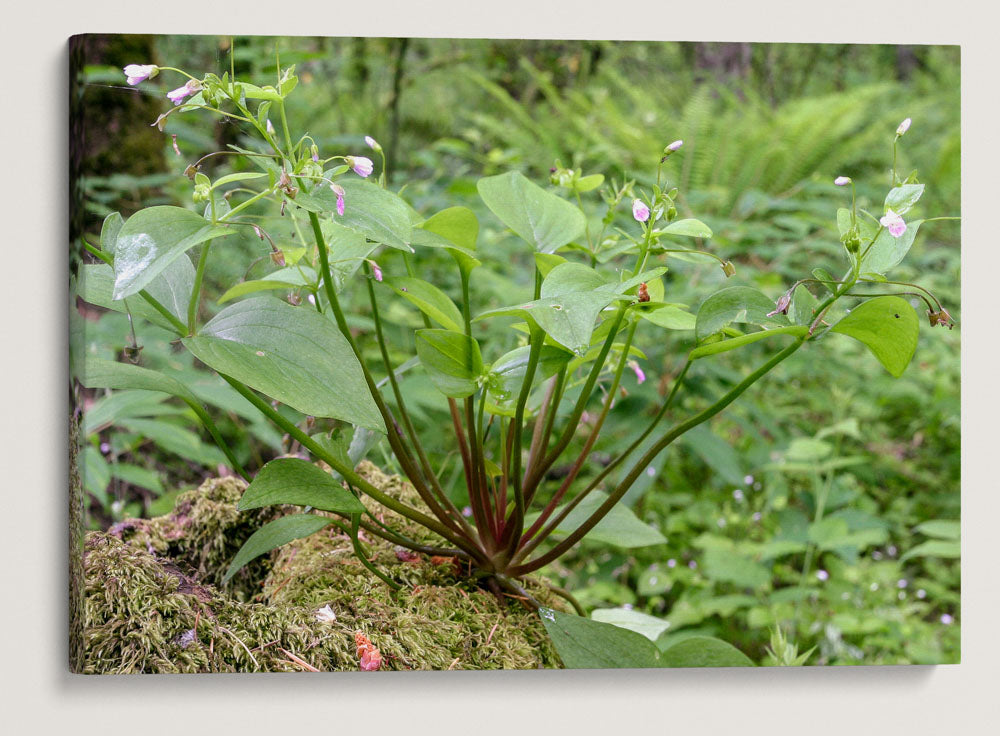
729, 269
842, 181
140, 72
315, 153
269, 127
671, 213
372, 143
339, 191
941, 318
903, 127
639, 210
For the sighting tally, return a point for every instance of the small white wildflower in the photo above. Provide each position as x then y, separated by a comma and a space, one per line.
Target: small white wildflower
326, 614
822, 575
947, 619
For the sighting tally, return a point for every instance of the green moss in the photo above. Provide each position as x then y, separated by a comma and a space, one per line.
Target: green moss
151, 605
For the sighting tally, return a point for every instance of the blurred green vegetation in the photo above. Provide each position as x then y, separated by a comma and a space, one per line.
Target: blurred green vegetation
826, 501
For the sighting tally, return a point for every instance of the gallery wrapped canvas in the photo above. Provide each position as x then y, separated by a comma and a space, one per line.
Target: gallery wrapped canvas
450, 354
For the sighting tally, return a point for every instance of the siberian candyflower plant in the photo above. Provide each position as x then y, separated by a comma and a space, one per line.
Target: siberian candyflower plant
516, 402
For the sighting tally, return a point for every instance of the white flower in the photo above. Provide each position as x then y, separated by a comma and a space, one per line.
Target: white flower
842, 181
903, 127
892, 222
140, 72
326, 614
639, 210
372, 143
675, 146
362, 166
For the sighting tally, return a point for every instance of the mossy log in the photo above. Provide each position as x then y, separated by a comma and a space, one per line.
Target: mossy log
154, 603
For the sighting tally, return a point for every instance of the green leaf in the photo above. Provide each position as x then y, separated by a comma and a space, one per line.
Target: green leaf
943, 548
428, 299
110, 228
239, 176
690, 228
670, 318
735, 304
152, 239
641, 623
803, 304
619, 527
588, 183
294, 481
544, 220
718, 454
176, 440
571, 278
369, 210
901, 199
941, 528
273, 535
252, 287
348, 250
545, 262
703, 651
96, 286
138, 476
586, 644
293, 354
567, 319
888, 326
458, 225
99, 373
452, 360
887, 251
725, 566
95, 473
507, 373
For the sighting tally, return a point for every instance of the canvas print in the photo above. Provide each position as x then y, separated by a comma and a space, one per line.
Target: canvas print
458, 354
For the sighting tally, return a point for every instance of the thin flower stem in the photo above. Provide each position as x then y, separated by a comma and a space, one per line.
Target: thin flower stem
538, 472
349, 473
588, 445
649, 456
192, 313
393, 430
451, 516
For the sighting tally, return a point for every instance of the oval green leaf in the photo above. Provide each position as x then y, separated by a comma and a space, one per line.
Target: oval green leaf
298, 482
428, 299
886, 325
452, 360
273, 535
151, 239
545, 221
293, 354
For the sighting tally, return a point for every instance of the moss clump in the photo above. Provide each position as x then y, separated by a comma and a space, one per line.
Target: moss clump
204, 532
152, 605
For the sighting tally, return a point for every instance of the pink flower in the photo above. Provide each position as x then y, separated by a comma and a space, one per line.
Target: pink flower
639, 210
339, 191
903, 127
376, 271
362, 166
177, 96
372, 143
640, 376
675, 146
842, 181
140, 72
893, 223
